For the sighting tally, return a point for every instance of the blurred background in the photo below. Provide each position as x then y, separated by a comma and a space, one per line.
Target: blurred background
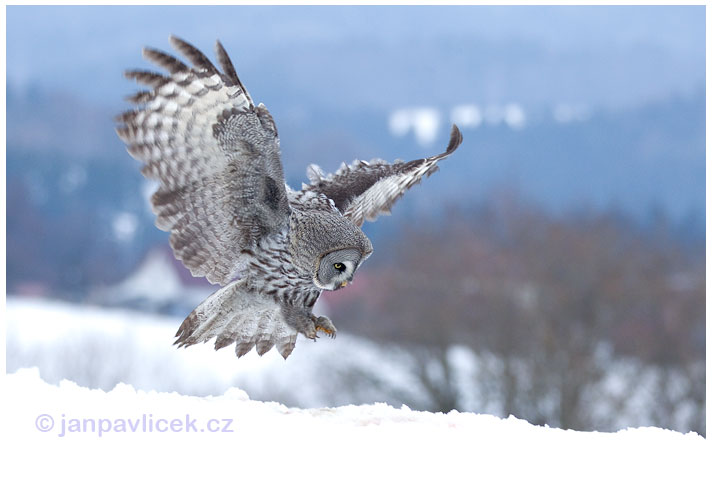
553, 269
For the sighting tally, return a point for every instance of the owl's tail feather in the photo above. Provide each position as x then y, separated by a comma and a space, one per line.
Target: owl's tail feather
237, 314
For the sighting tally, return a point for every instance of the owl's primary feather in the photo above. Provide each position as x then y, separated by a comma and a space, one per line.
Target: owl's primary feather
216, 156
223, 198
364, 190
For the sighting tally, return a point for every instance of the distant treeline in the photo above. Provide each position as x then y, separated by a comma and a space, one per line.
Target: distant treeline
569, 317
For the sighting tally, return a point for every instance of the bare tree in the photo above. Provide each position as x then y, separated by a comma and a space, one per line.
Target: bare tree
550, 307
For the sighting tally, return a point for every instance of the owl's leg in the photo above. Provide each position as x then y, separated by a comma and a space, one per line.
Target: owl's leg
307, 323
303, 323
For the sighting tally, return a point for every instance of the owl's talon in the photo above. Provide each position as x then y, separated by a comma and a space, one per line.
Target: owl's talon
325, 325
330, 333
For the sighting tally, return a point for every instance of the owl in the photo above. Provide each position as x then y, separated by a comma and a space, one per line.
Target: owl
232, 218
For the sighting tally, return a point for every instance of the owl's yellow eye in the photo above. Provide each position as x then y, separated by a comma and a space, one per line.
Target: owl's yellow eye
338, 266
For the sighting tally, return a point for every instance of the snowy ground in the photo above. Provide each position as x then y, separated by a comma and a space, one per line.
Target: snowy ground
99, 348
71, 429
105, 349
163, 421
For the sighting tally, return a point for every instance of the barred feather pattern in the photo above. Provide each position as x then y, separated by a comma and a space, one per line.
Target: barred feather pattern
236, 314
365, 190
271, 267
250, 312
216, 156
272, 273
223, 198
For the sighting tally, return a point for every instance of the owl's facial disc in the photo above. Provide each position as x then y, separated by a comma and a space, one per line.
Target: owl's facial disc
336, 269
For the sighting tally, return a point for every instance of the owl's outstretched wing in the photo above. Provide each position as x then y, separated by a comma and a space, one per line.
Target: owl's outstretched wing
364, 190
215, 154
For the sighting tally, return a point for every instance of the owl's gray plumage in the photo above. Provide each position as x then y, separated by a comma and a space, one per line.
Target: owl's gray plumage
364, 190
230, 215
216, 156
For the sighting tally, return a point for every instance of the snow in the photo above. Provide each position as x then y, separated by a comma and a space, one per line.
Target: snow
151, 387
156, 284
90, 431
124, 225
136, 348
514, 116
98, 347
425, 123
466, 116
155, 278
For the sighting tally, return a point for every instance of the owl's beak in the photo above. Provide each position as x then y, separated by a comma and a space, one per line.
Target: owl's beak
343, 284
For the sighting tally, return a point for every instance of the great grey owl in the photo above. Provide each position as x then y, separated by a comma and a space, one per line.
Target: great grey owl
232, 218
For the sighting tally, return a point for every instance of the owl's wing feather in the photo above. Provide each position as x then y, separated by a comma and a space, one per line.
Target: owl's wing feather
215, 154
364, 190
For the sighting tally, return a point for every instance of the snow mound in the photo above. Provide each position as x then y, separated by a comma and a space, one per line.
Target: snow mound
68, 427
98, 347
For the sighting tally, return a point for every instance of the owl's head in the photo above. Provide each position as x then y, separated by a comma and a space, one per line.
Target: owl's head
327, 246
336, 269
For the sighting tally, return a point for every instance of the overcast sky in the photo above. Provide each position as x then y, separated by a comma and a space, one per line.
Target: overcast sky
647, 51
